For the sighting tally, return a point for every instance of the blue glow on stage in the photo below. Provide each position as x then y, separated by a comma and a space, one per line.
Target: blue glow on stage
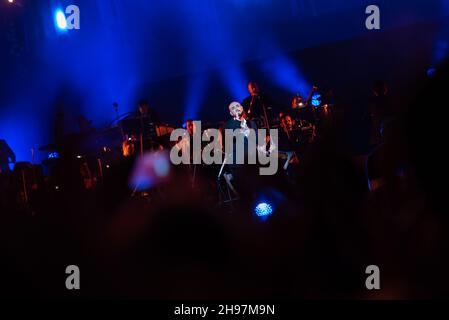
195, 98
316, 100
286, 74
235, 81
263, 209
60, 20
189, 59
431, 72
268, 201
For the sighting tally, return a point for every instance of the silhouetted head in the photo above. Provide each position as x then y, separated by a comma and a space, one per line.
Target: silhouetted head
190, 126
253, 89
297, 102
287, 122
144, 107
380, 88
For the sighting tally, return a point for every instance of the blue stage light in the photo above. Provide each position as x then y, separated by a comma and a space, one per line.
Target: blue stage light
263, 209
316, 100
53, 155
195, 96
60, 19
431, 72
236, 81
285, 73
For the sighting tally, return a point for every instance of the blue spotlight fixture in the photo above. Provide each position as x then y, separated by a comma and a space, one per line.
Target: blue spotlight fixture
53, 155
60, 20
316, 100
263, 209
267, 203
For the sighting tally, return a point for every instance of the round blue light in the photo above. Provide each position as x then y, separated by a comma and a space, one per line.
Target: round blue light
61, 21
263, 209
316, 100
161, 167
431, 72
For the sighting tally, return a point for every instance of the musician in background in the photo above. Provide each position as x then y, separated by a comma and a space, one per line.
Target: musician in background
380, 111
258, 107
302, 110
190, 126
144, 111
6, 156
289, 144
288, 135
141, 128
185, 146
185, 143
128, 149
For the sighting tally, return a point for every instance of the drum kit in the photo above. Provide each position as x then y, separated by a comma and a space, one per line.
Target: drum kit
92, 153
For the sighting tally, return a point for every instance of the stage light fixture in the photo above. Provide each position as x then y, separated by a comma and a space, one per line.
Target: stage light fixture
53, 155
61, 21
263, 209
316, 100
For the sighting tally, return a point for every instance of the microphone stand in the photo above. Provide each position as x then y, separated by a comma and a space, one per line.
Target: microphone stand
229, 185
117, 117
267, 124
141, 135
